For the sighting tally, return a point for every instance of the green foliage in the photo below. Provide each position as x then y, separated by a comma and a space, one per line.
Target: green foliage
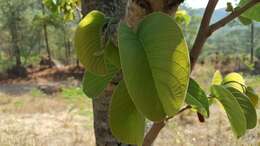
88, 42
252, 95
94, 84
244, 20
257, 53
197, 98
126, 122
155, 67
65, 7
247, 106
237, 99
252, 13
154, 60
235, 80
182, 17
234, 111
217, 78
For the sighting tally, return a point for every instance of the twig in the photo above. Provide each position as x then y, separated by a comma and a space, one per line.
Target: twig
232, 16
156, 128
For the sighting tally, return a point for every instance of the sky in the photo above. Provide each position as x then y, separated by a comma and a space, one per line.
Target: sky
203, 3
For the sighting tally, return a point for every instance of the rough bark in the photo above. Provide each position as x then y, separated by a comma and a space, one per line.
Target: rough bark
103, 135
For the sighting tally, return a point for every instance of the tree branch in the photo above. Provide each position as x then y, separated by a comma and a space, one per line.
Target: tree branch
157, 127
232, 16
203, 32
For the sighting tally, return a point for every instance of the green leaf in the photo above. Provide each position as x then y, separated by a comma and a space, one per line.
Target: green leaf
182, 17
112, 54
88, 42
252, 95
217, 78
247, 106
244, 20
197, 98
93, 84
234, 111
253, 13
126, 123
155, 65
234, 80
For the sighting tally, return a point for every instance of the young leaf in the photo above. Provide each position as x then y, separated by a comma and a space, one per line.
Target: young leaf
155, 65
126, 123
247, 106
112, 54
234, 111
88, 42
197, 98
94, 84
253, 13
252, 95
234, 80
217, 78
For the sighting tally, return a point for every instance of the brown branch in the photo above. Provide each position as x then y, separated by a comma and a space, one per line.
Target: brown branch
232, 16
203, 32
157, 127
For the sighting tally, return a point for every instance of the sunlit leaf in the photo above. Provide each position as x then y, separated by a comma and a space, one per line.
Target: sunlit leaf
234, 80
88, 42
247, 106
197, 98
182, 17
233, 110
126, 123
217, 78
252, 95
155, 65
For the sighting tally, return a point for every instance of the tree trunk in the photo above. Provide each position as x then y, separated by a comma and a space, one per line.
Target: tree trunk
103, 135
45, 31
14, 35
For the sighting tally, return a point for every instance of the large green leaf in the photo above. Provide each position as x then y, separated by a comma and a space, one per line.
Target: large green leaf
94, 84
234, 80
197, 98
253, 13
88, 42
126, 123
234, 111
247, 106
217, 78
252, 95
155, 65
